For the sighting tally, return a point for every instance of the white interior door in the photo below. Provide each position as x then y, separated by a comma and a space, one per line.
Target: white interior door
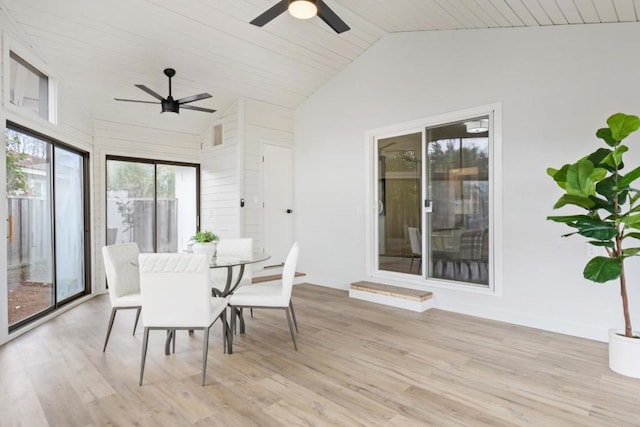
277, 190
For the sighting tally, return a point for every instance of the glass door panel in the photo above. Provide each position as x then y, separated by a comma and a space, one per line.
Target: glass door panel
130, 203
151, 203
29, 243
69, 213
399, 203
176, 206
457, 177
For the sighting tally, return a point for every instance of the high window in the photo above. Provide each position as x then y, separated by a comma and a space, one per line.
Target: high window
435, 197
28, 87
47, 205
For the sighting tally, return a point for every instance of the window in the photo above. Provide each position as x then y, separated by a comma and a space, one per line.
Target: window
435, 195
47, 205
152, 203
28, 87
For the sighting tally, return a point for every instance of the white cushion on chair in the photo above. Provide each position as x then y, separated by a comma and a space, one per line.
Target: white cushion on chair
259, 295
270, 295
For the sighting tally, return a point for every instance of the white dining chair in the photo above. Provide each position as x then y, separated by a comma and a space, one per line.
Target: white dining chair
123, 281
264, 296
176, 295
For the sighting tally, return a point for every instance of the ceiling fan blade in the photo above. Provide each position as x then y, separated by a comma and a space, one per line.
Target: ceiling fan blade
330, 18
193, 98
150, 92
190, 107
135, 100
271, 13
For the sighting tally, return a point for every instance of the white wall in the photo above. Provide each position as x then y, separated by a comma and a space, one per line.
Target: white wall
557, 85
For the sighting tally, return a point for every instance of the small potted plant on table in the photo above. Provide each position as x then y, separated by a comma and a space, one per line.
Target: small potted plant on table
205, 242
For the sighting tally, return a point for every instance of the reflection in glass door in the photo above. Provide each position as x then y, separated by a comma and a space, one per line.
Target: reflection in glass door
30, 246
458, 189
399, 195
70, 223
46, 206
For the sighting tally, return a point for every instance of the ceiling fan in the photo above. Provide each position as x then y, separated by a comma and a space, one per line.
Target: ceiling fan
170, 105
303, 9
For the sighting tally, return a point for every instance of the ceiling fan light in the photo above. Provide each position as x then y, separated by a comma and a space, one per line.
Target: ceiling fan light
303, 9
477, 126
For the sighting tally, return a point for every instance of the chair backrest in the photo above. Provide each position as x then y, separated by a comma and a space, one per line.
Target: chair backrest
236, 248
289, 270
175, 290
121, 268
415, 240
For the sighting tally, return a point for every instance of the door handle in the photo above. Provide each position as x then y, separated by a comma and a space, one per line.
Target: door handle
289, 211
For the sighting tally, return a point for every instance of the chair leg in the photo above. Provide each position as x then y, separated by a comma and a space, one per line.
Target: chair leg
293, 314
144, 352
251, 312
231, 330
135, 325
225, 338
411, 266
205, 351
106, 339
241, 317
293, 335
174, 342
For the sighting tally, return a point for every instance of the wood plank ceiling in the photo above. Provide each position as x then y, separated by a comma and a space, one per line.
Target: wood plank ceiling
100, 49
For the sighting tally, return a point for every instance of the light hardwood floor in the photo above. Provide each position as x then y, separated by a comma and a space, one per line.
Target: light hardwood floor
358, 364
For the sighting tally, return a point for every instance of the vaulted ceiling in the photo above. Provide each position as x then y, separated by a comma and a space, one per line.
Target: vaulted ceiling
100, 49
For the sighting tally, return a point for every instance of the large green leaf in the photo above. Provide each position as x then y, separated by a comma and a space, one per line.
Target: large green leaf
630, 220
630, 252
559, 175
607, 187
579, 178
627, 179
622, 125
595, 229
605, 134
602, 269
567, 218
597, 156
568, 199
632, 235
614, 159
607, 244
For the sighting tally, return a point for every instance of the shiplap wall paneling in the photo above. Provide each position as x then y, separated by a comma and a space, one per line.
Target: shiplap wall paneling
220, 178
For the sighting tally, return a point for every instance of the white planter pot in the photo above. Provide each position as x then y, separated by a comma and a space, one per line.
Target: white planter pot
624, 353
208, 248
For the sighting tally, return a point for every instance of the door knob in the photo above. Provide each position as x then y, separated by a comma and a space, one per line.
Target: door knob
289, 211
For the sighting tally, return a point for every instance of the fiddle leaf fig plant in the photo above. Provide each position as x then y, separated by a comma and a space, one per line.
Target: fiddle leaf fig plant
610, 205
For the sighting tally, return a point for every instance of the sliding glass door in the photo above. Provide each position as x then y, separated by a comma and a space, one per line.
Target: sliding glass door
152, 203
47, 224
433, 202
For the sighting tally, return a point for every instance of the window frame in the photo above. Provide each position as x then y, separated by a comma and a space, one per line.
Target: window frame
494, 111
58, 304
155, 163
11, 45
